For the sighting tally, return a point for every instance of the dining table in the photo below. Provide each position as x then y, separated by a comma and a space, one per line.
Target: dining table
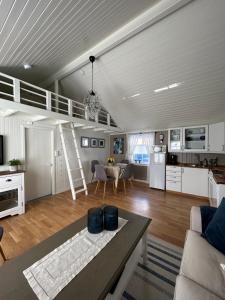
115, 171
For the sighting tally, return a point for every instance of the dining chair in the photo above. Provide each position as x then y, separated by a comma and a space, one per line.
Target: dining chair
126, 175
1, 251
93, 164
101, 176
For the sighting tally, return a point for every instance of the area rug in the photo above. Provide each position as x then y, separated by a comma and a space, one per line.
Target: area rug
156, 279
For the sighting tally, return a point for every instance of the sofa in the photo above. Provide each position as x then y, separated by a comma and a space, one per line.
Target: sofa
202, 272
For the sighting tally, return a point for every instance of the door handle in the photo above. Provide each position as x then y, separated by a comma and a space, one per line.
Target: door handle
8, 180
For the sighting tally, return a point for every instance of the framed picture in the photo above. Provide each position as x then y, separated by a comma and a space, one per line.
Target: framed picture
84, 142
101, 143
94, 143
118, 145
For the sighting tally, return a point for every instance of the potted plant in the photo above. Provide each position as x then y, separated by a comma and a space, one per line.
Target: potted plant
13, 165
111, 161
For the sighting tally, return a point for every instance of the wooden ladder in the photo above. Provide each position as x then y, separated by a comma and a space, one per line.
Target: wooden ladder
70, 170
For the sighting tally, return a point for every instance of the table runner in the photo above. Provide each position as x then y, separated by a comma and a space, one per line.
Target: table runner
48, 276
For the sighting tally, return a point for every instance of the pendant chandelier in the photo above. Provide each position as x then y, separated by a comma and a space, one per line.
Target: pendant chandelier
91, 101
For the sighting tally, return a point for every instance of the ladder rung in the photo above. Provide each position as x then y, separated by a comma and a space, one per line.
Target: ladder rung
78, 179
73, 170
81, 190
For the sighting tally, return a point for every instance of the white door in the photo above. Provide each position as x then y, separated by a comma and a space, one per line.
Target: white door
38, 163
216, 137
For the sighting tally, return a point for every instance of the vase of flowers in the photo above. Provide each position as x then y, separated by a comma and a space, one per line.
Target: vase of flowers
111, 161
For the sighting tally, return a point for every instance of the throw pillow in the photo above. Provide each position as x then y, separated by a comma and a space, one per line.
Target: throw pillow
207, 213
215, 231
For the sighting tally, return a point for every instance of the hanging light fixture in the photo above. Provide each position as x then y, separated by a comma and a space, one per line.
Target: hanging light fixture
91, 101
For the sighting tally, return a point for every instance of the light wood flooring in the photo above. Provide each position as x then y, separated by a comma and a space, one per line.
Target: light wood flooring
169, 213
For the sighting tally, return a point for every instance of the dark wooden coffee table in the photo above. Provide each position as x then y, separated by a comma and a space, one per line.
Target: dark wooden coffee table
95, 280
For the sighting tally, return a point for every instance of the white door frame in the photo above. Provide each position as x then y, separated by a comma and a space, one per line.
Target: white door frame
52, 131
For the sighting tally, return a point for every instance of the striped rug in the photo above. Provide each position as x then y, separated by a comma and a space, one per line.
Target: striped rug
156, 279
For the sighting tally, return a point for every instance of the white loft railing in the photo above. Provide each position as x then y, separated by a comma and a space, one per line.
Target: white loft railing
19, 91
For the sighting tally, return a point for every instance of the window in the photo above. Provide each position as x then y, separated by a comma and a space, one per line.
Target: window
139, 147
141, 155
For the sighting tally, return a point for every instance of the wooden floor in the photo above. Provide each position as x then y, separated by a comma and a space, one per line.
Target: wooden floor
169, 212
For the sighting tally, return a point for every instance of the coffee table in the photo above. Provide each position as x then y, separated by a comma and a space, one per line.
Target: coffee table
96, 280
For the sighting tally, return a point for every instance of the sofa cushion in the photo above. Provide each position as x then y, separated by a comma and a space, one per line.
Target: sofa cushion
215, 231
203, 264
187, 289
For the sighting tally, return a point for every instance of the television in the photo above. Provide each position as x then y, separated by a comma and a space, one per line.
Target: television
1, 151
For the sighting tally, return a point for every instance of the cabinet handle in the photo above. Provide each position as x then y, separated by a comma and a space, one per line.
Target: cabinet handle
8, 180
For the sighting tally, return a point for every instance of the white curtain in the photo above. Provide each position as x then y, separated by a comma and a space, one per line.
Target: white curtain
134, 140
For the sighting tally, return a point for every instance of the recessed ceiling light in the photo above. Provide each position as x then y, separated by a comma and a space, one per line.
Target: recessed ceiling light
171, 86
132, 96
135, 95
27, 66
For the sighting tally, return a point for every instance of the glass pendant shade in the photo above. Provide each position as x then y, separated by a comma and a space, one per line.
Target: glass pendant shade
91, 101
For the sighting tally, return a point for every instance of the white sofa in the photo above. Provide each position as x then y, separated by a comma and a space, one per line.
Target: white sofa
202, 272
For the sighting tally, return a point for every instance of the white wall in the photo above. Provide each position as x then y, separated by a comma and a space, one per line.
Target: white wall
11, 129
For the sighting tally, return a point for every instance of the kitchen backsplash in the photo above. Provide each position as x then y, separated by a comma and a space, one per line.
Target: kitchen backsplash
195, 158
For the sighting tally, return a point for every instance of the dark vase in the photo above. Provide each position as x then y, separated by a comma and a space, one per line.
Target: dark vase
95, 220
110, 218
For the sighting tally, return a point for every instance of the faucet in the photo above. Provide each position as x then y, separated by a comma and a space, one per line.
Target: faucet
205, 162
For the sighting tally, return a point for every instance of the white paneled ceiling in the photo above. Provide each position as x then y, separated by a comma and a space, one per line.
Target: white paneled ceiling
48, 34
186, 47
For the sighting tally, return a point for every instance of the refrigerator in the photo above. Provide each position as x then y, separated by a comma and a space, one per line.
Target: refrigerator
157, 170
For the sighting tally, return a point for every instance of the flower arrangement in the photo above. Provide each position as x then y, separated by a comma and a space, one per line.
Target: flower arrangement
111, 160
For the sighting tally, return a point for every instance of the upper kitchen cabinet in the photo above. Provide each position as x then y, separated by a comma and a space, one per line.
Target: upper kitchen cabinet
195, 139
217, 137
175, 140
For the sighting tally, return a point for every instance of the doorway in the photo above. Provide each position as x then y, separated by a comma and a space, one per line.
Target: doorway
39, 162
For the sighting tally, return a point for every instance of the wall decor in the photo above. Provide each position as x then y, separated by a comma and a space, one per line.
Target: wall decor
84, 142
118, 145
101, 143
94, 142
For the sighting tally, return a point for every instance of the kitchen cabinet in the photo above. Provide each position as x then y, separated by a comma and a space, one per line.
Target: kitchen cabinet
195, 138
12, 194
188, 139
173, 178
195, 181
175, 139
217, 137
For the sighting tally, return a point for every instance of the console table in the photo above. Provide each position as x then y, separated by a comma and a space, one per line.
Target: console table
96, 280
11, 193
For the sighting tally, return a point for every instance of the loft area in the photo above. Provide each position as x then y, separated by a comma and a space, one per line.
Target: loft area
21, 92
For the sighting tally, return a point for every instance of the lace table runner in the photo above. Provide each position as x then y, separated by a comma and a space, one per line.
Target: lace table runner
49, 275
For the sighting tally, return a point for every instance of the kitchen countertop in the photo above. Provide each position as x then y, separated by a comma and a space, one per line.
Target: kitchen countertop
219, 174
188, 166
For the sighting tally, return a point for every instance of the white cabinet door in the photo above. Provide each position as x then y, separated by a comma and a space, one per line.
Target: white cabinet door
195, 138
217, 137
175, 140
195, 181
